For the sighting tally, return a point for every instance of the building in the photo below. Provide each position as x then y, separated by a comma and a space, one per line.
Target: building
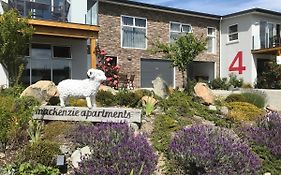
239, 43
59, 48
249, 39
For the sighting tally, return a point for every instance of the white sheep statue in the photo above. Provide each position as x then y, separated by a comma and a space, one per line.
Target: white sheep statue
86, 88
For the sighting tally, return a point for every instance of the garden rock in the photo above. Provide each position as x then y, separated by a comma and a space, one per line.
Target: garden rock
224, 110
267, 173
160, 87
42, 90
205, 93
77, 155
2, 155
107, 88
212, 108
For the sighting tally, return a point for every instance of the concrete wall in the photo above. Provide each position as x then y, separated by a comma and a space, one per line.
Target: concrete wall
78, 51
230, 49
158, 26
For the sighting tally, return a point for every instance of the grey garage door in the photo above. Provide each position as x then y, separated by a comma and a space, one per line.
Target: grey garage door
151, 68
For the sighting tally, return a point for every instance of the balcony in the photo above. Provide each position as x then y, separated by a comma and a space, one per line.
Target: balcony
56, 10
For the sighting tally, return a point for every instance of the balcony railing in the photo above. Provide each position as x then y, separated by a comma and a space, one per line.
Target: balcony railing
42, 9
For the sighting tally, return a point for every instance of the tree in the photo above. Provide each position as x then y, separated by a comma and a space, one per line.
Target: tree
182, 51
15, 35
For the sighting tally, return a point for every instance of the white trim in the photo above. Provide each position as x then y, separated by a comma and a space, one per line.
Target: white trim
213, 36
134, 26
230, 41
174, 79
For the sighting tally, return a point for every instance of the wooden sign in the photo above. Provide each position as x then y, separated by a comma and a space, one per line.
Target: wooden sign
116, 115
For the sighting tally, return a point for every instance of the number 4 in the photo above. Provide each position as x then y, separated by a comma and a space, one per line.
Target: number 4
240, 68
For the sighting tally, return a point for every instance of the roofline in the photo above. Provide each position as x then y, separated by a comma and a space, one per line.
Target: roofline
163, 9
253, 10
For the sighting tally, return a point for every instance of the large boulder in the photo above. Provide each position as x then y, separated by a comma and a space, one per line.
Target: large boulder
107, 88
42, 90
160, 87
205, 93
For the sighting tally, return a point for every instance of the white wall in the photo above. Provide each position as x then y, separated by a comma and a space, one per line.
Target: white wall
78, 50
1, 8
77, 11
4, 80
230, 49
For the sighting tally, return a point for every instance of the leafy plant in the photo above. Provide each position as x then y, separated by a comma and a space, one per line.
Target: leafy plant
15, 34
115, 150
77, 102
219, 84
105, 98
127, 98
235, 98
181, 52
234, 81
148, 103
270, 76
205, 149
56, 128
111, 71
43, 152
243, 112
35, 130
255, 98
31, 169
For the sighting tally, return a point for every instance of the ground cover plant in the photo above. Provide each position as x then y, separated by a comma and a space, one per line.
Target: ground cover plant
205, 149
256, 98
115, 150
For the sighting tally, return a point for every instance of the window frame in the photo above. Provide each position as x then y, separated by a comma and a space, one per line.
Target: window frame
233, 33
213, 36
53, 52
181, 24
134, 26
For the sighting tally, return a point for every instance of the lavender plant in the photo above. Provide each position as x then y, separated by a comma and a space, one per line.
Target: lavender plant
211, 150
115, 150
266, 133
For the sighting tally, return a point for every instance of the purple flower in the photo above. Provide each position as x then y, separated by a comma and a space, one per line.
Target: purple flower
202, 149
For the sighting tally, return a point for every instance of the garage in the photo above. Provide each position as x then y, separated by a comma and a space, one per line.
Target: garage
152, 68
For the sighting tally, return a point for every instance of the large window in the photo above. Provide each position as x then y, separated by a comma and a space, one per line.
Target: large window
47, 62
211, 34
177, 29
233, 32
133, 32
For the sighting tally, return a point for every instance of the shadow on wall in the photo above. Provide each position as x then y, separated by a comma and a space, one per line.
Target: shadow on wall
4, 78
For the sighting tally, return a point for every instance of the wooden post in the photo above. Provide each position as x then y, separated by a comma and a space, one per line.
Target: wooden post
93, 52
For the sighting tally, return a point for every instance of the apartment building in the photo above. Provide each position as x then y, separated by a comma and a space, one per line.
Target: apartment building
59, 48
249, 39
239, 43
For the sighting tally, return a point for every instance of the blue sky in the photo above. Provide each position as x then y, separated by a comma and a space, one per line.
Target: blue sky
219, 7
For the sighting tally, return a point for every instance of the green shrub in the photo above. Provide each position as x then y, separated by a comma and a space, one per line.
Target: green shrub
105, 98
234, 81
77, 102
247, 86
13, 91
5, 124
43, 152
219, 84
143, 92
31, 169
270, 76
235, 98
255, 98
56, 128
242, 111
127, 98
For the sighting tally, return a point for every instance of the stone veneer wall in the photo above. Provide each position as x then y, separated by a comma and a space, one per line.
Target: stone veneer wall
158, 26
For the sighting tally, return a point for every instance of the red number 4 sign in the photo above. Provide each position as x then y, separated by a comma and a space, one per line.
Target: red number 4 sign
240, 68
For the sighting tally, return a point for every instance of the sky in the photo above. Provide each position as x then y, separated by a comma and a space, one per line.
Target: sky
218, 7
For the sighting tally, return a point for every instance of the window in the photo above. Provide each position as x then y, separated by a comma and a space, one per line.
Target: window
42, 64
133, 32
211, 34
61, 52
176, 29
233, 32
